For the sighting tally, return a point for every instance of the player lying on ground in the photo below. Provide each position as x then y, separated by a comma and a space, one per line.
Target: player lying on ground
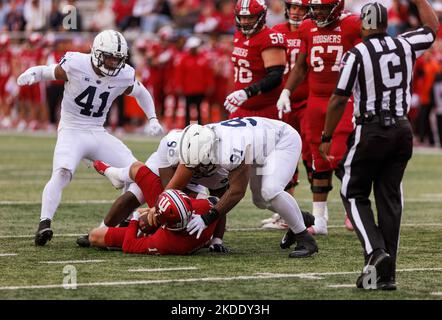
151, 178
161, 230
92, 82
256, 150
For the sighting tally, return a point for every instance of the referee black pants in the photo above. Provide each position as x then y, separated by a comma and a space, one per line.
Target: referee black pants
376, 158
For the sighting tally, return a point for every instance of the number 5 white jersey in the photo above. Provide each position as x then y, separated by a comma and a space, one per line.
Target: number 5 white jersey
87, 96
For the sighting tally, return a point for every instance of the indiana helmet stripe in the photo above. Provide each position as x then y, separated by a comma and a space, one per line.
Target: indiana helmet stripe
179, 203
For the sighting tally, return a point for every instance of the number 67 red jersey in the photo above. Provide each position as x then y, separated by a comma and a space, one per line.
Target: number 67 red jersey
325, 48
249, 66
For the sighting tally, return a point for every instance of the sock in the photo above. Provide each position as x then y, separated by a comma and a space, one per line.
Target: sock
288, 209
320, 209
52, 193
121, 174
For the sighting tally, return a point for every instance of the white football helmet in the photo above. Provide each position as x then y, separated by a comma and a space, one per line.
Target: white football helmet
109, 52
197, 146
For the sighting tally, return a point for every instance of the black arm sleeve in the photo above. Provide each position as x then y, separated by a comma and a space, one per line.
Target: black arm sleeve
273, 78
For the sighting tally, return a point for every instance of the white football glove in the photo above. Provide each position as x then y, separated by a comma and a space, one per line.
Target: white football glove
284, 104
235, 100
30, 76
155, 128
135, 216
196, 224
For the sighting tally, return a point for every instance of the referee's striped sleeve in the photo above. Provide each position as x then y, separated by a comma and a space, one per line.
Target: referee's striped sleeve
420, 39
349, 72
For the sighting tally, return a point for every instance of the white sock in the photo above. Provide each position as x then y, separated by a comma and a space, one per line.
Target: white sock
121, 174
288, 209
52, 193
320, 209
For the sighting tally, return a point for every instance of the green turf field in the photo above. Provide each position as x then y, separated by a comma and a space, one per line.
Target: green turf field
256, 269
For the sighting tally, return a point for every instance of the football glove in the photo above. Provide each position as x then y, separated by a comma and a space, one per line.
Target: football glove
154, 128
219, 248
196, 225
235, 100
30, 76
284, 104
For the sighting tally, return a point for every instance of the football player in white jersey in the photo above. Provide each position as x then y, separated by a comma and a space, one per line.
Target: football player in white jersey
256, 150
151, 178
92, 82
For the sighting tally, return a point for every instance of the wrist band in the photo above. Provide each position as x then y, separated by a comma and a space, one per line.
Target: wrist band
210, 217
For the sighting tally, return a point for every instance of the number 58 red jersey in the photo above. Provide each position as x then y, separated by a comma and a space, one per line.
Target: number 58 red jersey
249, 65
325, 48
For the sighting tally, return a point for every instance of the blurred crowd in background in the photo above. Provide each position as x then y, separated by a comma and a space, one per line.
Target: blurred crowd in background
180, 49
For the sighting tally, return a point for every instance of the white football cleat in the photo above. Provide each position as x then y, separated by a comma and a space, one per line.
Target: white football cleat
109, 172
319, 228
276, 225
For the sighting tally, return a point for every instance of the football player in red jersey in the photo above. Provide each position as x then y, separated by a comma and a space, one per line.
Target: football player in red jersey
295, 12
165, 225
325, 38
259, 63
5, 75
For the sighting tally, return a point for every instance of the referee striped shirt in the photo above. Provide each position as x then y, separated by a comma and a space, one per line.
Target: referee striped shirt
379, 71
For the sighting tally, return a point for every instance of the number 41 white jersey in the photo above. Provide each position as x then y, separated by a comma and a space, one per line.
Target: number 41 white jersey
88, 97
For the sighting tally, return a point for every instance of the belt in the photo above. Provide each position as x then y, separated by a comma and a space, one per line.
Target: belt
371, 118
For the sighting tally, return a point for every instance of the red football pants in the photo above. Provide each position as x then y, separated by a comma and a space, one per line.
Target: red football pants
315, 121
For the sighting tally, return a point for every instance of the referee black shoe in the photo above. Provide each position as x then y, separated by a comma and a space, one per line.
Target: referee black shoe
44, 233
379, 269
306, 245
289, 238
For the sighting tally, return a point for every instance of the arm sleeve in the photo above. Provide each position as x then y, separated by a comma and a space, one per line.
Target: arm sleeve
144, 99
347, 77
420, 40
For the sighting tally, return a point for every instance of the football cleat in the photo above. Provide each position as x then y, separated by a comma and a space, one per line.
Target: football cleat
83, 241
275, 225
306, 246
383, 265
219, 248
287, 240
273, 218
44, 233
319, 228
348, 224
103, 169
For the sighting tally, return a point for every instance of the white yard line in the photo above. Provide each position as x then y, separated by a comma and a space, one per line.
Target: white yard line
436, 293
341, 286
8, 254
72, 261
263, 276
163, 269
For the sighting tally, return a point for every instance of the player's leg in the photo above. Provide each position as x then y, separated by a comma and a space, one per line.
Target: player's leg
104, 237
276, 199
322, 172
71, 147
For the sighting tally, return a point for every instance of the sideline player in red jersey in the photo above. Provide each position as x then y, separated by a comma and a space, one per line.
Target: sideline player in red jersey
165, 224
325, 38
295, 12
259, 63
5, 75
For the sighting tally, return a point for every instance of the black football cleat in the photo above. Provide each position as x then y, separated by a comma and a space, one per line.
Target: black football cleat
383, 265
219, 248
83, 241
287, 240
44, 233
306, 245
289, 237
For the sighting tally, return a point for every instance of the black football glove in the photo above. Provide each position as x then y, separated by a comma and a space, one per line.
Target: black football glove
219, 248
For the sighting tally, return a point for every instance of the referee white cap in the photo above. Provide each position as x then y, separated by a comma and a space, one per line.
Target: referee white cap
374, 16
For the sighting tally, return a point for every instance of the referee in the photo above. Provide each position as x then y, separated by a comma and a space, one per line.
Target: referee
378, 72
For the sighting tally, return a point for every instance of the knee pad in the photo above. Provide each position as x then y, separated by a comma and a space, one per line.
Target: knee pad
325, 189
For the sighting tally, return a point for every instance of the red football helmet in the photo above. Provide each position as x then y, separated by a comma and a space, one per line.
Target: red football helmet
174, 209
255, 11
296, 19
325, 12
